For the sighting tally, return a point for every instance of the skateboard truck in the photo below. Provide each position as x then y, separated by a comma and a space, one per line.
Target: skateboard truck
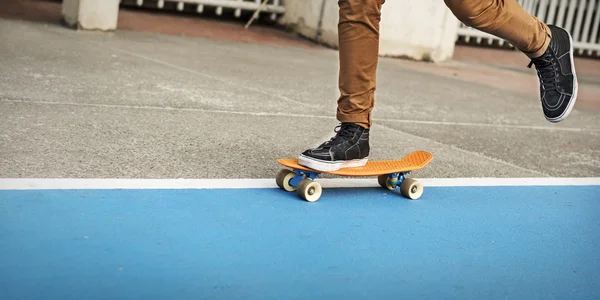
302, 181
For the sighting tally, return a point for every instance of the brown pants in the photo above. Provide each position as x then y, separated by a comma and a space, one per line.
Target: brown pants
358, 31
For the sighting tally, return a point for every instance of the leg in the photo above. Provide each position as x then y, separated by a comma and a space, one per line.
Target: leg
505, 19
549, 47
358, 33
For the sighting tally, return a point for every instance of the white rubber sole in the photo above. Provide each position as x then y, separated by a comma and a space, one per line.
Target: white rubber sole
566, 113
330, 166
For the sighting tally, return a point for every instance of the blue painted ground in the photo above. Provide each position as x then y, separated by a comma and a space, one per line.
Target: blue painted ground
453, 243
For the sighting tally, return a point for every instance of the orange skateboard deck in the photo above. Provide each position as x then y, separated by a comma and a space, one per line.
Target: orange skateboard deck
391, 174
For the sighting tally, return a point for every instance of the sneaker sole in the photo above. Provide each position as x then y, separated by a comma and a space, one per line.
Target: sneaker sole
566, 113
330, 166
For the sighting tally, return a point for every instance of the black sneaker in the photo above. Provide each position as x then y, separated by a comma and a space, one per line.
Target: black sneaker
556, 71
349, 148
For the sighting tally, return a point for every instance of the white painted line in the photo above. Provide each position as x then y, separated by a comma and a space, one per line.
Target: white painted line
269, 93
294, 115
493, 125
186, 109
67, 183
77, 184
526, 181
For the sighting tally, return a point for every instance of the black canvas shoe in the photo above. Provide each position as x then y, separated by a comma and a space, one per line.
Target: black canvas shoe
349, 148
556, 71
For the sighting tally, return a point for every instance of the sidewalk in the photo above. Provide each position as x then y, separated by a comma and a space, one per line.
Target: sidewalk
473, 64
139, 104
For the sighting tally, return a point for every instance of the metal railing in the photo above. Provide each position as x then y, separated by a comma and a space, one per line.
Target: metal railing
272, 7
580, 17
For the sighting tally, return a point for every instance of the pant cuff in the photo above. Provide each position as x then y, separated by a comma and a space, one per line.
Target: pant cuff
538, 52
363, 119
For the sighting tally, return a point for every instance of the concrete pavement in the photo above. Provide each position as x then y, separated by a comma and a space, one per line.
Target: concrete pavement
145, 105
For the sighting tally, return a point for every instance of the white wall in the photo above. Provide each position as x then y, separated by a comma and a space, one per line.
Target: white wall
70, 11
91, 14
418, 29
303, 16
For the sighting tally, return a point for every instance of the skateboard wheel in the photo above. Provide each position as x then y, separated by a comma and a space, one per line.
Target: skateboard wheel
384, 181
411, 188
309, 190
283, 180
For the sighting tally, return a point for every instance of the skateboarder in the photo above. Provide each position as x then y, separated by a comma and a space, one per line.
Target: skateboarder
550, 49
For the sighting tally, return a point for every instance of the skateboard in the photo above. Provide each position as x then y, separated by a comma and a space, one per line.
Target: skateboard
390, 175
